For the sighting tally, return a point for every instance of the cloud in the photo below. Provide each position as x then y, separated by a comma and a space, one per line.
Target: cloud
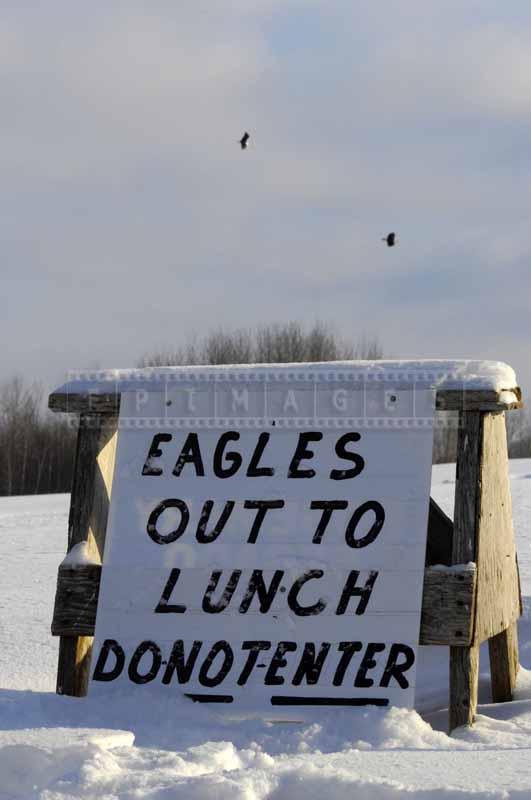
486, 71
130, 203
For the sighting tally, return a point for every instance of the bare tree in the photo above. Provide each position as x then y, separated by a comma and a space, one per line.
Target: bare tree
184, 355
368, 348
18, 417
224, 347
36, 448
290, 343
268, 344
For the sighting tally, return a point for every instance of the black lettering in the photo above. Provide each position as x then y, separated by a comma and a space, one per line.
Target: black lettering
257, 586
255, 648
163, 606
228, 660
277, 662
351, 590
172, 536
310, 665
343, 474
156, 661
262, 507
226, 597
233, 458
254, 471
205, 538
327, 507
293, 603
395, 670
155, 452
108, 646
177, 662
301, 453
349, 649
367, 662
379, 514
190, 454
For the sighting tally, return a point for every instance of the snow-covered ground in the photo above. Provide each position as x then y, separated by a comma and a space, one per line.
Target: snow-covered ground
59, 748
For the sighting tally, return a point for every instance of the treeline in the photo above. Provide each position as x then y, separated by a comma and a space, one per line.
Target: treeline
37, 447
267, 344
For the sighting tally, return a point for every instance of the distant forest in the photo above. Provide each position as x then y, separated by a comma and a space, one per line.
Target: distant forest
37, 447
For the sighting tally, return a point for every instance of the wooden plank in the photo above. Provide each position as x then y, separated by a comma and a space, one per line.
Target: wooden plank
464, 675
103, 484
76, 600
89, 506
74, 665
464, 662
467, 487
498, 600
447, 604
478, 400
80, 503
83, 480
91, 403
483, 533
504, 665
108, 404
498, 589
448, 608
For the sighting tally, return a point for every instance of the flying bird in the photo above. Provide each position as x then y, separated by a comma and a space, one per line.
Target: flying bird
243, 141
390, 239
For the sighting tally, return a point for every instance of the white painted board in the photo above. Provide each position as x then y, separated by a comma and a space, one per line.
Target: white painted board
267, 562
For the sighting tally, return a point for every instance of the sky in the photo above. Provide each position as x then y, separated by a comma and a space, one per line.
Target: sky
132, 221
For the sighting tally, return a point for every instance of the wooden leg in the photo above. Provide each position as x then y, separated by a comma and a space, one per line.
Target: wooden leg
74, 665
89, 506
464, 661
464, 675
503, 653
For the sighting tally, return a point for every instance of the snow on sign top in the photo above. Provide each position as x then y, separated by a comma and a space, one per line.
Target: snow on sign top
270, 563
457, 374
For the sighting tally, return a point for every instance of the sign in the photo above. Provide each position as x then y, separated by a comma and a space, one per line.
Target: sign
266, 539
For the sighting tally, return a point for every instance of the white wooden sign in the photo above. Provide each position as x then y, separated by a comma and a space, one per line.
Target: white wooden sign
266, 540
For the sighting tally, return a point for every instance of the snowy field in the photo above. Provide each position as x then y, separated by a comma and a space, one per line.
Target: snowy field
58, 748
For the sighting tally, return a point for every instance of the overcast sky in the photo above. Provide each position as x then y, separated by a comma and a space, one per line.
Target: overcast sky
131, 220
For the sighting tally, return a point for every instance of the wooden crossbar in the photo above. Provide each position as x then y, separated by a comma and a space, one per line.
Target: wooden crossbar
448, 598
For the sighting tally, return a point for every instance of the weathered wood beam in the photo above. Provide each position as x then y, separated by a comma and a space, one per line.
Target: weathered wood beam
446, 400
101, 404
478, 400
448, 608
498, 590
498, 601
89, 506
76, 600
72, 651
447, 603
464, 662
504, 664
